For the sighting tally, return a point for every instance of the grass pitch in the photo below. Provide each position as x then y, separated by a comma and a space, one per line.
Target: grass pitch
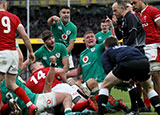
118, 94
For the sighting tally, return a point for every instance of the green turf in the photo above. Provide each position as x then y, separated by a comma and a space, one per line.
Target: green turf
117, 94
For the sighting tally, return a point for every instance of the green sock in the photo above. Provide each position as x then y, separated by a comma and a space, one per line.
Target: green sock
67, 111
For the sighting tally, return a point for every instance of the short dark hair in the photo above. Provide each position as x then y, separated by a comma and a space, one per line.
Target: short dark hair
103, 20
110, 42
64, 7
45, 35
122, 3
88, 32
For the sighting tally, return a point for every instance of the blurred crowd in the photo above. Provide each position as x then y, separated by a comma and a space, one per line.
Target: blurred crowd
82, 16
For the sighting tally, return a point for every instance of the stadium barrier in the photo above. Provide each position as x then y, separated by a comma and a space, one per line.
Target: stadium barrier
79, 40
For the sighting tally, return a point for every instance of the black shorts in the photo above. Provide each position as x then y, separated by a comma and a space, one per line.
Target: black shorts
137, 70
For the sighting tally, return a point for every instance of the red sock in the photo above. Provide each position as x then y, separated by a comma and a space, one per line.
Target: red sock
5, 109
22, 95
80, 106
147, 102
96, 97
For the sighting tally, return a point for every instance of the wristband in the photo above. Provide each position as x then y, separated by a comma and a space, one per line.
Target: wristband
111, 26
52, 65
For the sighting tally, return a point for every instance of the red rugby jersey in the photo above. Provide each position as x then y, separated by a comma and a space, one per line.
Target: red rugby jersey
37, 80
148, 17
8, 26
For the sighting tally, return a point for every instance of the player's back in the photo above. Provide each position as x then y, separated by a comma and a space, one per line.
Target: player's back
37, 80
8, 26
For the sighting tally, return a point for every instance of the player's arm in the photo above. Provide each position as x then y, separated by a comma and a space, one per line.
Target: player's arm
20, 64
109, 21
52, 20
60, 73
70, 47
26, 40
65, 63
74, 72
50, 75
158, 23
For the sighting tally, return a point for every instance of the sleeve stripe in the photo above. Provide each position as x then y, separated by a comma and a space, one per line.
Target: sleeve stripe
20, 25
157, 19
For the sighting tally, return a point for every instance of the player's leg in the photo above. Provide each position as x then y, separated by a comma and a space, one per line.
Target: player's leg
11, 70
107, 84
152, 52
51, 99
152, 95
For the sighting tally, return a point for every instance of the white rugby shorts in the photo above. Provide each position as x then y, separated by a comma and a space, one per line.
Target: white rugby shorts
66, 88
9, 61
152, 51
45, 101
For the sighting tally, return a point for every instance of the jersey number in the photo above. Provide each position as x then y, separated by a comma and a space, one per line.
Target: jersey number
40, 75
10, 96
6, 23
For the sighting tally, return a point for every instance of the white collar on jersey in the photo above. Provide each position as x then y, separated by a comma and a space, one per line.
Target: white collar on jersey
2, 10
144, 9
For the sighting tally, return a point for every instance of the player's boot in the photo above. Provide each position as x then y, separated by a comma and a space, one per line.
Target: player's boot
15, 109
131, 113
122, 106
93, 103
143, 109
33, 110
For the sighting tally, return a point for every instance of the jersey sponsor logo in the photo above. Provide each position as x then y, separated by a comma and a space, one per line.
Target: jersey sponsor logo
64, 36
85, 59
58, 55
44, 58
60, 27
68, 32
99, 37
92, 49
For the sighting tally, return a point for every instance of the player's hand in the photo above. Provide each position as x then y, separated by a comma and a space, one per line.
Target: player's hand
53, 59
55, 18
109, 21
32, 57
114, 19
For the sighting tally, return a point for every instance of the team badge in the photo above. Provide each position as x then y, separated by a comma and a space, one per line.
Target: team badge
60, 27
68, 32
49, 101
64, 36
85, 59
92, 49
99, 37
58, 55
44, 58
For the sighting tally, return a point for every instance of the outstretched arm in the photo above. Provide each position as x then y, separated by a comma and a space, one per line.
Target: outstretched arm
52, 20
50, 75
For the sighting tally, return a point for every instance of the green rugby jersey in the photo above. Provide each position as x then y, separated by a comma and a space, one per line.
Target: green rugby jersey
100, 36
90, 62
7, 94
59, 51
64, 33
